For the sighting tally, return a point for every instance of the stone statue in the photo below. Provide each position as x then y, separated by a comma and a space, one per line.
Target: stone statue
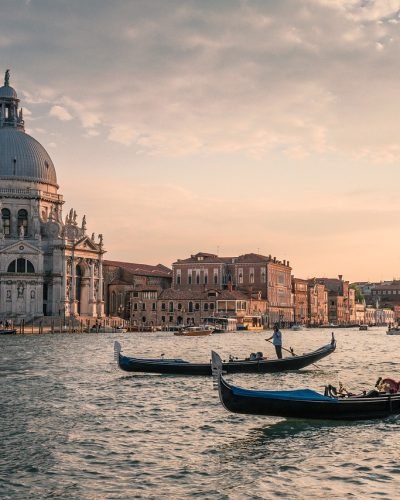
74, 218
7, 78
92, 238
100, 239
84, 223
71, 215
20, 290
21, 232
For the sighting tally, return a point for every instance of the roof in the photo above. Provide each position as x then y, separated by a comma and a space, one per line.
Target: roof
22, 157
8, 92
141, 269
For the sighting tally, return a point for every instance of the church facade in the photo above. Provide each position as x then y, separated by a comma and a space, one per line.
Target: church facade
49, 266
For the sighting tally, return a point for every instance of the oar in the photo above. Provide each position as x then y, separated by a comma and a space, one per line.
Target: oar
292, 352
287, 350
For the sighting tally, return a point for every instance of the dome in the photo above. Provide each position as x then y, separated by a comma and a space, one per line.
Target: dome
8, 92
23, 158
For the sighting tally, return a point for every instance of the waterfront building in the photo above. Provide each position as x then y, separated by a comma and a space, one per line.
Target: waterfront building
300, 300
317, 303
49, 266
130, 287
341, 300
257, 276
386, 294
194, 307
360, 313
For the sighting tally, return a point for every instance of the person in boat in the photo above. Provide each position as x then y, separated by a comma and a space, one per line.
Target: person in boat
277, 341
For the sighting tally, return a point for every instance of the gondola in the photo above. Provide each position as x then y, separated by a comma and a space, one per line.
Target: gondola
182, 367
304, 403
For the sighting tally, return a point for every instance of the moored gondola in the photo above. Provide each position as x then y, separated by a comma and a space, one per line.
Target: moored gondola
304, 403
257, 365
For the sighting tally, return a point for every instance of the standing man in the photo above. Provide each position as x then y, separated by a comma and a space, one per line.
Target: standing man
277, 341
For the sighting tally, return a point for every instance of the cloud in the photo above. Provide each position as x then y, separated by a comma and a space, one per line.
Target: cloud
61, 113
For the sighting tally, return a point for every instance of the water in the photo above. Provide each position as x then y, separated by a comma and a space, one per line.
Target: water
75, 426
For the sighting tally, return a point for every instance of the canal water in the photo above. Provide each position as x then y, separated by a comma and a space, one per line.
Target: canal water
75, 426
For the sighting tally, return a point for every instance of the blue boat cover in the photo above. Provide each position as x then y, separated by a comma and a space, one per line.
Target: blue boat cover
295, 395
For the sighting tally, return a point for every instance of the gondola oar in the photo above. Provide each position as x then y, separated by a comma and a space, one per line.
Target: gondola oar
291, 352
287, 350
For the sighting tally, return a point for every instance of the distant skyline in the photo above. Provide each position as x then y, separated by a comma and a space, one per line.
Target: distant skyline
227, 127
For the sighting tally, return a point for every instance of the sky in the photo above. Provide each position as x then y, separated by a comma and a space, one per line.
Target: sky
229, 126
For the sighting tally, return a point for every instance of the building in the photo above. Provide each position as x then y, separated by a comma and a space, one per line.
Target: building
341, 300
300, 300
130, 286
386, 294
48, 266
257, 276
317, 303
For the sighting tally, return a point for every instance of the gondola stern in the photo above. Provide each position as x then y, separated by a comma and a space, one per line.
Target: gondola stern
117, 351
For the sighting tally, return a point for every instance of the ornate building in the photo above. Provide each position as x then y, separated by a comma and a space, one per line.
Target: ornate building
48, 267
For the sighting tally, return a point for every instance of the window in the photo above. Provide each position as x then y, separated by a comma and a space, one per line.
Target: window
205, 277
206, 307
171, 307
251, 275
190, 306
190, 279
197, 277
21, 266
23, 221
178, 277
153, 306
197, 306
6, 217
163, 306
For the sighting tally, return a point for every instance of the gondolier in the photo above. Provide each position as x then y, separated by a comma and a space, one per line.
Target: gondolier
277, 341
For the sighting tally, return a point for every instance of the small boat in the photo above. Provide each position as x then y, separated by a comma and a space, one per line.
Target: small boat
296, 328
7, 331
10, 331
393, 331
304, 403
257, 365
363, 327
194, 331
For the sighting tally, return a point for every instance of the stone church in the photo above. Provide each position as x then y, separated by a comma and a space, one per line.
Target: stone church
49, 266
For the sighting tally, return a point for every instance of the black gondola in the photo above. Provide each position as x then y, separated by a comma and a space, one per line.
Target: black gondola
303, 403
181, 367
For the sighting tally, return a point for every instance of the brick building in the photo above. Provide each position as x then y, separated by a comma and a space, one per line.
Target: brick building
317, 303
300, 300
341, 300
125, 281
257, 276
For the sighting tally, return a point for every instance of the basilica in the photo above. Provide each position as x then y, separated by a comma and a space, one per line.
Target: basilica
49, 265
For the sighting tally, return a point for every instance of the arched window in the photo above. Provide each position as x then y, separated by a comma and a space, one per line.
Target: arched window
190, 279
6, 217
190, 306
205, 279
23, 221
21, 266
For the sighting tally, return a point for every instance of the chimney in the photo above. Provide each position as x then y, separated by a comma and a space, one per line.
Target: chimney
340, 277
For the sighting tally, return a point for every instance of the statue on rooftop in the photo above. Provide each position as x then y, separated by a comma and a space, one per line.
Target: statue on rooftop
7, 78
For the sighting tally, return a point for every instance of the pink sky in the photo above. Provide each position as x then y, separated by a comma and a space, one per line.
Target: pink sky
226, 127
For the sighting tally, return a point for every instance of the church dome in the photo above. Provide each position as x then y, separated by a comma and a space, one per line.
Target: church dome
7, 92
23, 158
